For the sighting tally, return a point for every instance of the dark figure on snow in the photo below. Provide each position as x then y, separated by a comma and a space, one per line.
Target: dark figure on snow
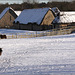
0, 51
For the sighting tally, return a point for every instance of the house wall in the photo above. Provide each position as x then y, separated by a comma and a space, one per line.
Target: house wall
63, 25
48, 19
7, 20
33, 27
27, 27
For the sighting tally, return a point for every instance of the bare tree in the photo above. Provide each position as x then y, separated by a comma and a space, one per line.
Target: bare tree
33, 1
28, 1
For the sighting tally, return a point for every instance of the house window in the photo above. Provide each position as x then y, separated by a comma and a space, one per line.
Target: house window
10, 18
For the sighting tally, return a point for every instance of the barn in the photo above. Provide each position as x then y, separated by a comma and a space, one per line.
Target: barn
65, 19
7, 17
35, 19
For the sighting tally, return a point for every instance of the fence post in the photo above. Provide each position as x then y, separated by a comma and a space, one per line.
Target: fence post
36, 33
21, 36
12, 36
16, 35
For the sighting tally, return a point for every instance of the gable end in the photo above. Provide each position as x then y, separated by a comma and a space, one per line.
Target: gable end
48, 18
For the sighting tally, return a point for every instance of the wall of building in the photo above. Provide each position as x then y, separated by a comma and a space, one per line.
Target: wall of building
27, 27
33, 27
48, 19
7, 20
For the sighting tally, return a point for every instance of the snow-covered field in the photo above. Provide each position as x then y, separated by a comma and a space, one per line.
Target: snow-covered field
50, 55
13, 31
18, 32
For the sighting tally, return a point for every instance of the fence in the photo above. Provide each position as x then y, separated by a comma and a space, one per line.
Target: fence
39, 33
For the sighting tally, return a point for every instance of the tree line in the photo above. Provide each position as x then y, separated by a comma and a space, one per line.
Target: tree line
63, 6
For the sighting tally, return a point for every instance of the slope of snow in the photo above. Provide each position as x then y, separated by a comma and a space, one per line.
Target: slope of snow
18, 12
32, 16
13, 31
22, 32
53, 55
65, 17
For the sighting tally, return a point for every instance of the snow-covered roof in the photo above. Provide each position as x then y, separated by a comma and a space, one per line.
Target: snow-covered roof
18, 12
65, 17
32, 16
56, 11
4, 11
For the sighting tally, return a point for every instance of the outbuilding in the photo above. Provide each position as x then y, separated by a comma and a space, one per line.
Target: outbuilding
35, 19
7, 17
65, 19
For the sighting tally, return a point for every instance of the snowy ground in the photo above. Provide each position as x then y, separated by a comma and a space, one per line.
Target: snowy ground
18, 32
51, 55
13, 31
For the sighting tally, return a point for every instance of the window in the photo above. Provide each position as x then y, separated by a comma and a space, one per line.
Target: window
10, 18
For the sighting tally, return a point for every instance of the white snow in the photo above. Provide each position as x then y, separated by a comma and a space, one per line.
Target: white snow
32, 16
51, 55
18, 12
65, 17
14, 31
19, 32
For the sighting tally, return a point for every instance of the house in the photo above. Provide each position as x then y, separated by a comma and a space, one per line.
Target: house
7, 17
35, 19
65, 19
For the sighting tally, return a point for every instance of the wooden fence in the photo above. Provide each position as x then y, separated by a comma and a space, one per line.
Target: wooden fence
39, 33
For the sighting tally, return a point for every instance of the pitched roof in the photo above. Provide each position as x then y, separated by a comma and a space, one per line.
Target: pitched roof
56, 11
32, 16
65, 17
5, 10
